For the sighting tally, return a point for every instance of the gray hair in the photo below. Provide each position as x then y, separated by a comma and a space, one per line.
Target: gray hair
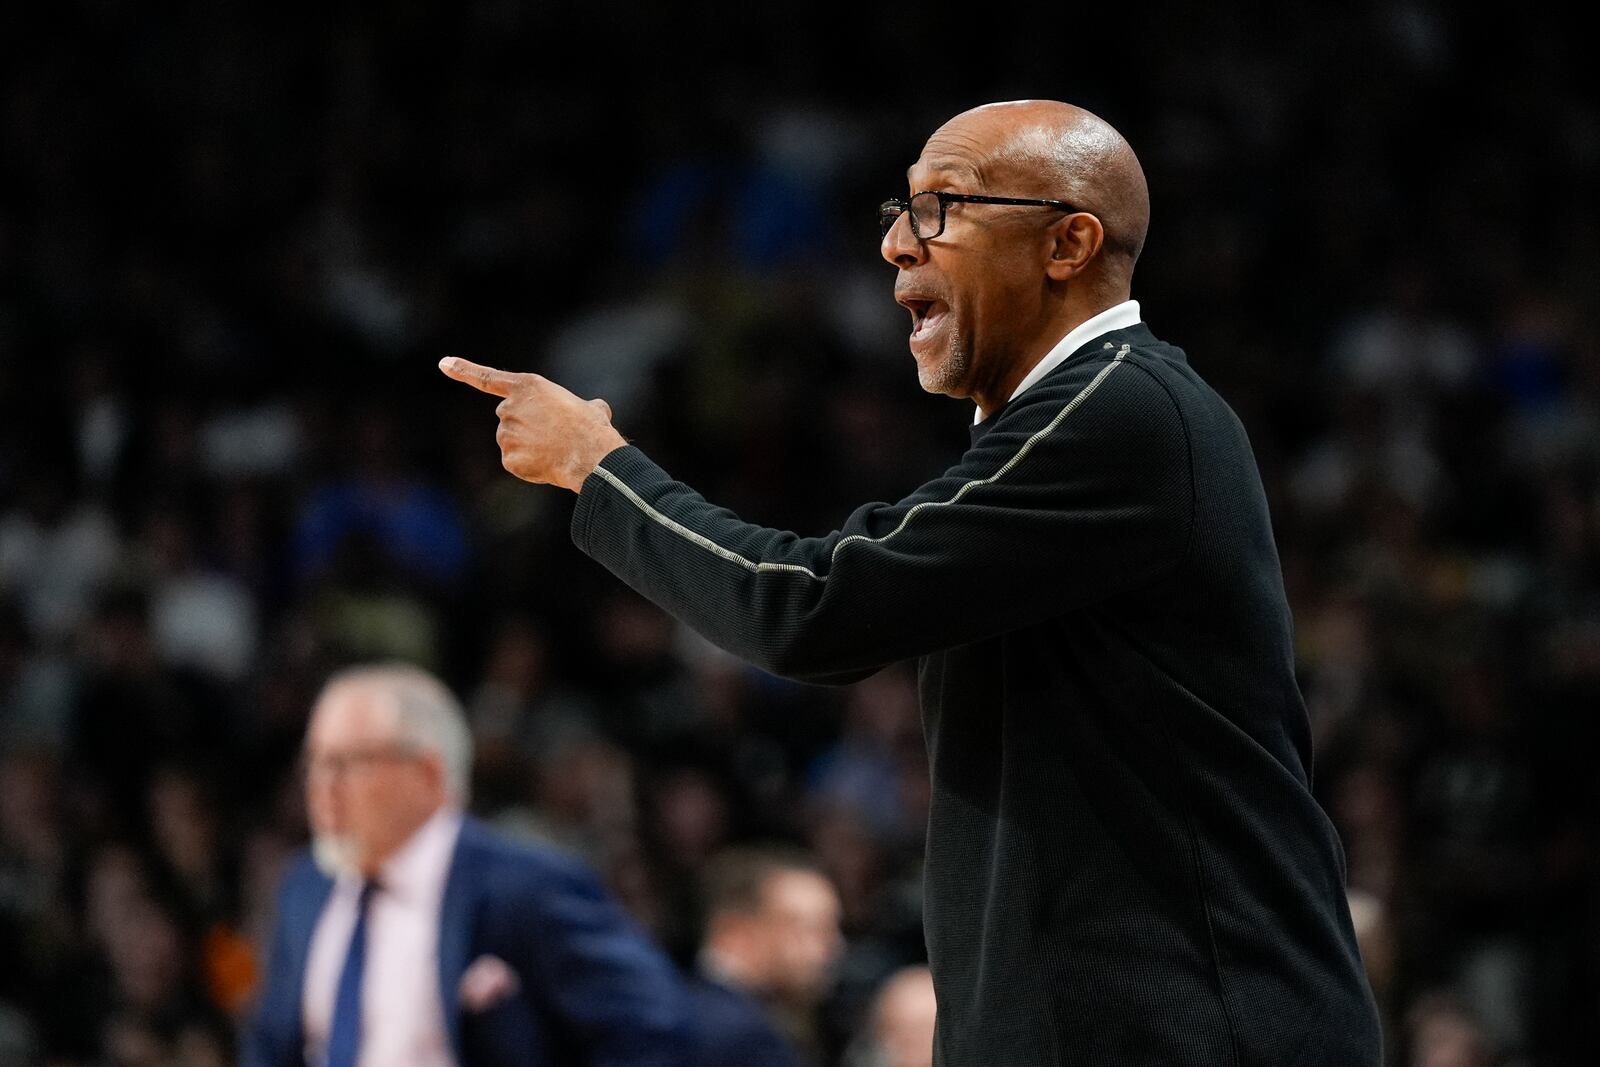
427, 714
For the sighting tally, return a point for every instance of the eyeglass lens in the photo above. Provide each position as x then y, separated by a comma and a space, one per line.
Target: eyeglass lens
925, 215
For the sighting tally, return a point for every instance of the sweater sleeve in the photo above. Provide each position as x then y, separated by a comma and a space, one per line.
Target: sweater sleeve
1080, 490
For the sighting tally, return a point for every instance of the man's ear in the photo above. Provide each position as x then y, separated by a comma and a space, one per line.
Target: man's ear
1074, 241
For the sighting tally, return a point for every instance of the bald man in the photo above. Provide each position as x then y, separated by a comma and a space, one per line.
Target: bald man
1125, 863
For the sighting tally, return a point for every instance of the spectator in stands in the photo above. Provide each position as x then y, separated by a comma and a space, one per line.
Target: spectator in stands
771, 942
900, 1033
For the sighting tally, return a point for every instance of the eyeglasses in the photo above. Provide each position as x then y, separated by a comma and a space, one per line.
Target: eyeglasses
927, 210
338, 764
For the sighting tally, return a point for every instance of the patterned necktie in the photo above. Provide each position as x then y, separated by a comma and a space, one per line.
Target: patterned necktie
344, 1037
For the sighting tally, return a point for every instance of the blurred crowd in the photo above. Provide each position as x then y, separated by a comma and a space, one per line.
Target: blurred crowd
235, 241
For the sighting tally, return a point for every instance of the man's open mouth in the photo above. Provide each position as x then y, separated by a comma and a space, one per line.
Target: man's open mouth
926, 313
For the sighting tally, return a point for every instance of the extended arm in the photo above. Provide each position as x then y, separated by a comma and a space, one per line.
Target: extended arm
1073, 496
1083, 488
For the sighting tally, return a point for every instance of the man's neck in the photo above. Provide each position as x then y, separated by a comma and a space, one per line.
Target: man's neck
1072, 315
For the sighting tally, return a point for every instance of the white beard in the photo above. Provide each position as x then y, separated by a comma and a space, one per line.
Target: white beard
335, 855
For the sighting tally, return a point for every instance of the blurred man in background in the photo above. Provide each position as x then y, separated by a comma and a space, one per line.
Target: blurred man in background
771, 943
900, 1033
1443, 1034
413, 935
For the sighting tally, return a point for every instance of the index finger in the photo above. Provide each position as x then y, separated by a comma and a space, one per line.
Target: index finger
485, 379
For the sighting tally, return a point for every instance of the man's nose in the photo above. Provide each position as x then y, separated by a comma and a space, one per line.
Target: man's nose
900, 246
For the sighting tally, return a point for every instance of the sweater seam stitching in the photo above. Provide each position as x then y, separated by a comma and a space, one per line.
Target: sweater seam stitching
694, 537
758, 566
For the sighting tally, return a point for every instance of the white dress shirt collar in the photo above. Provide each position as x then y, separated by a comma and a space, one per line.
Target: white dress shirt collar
418, 869
1117, 317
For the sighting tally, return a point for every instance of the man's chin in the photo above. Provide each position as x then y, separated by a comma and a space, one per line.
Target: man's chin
942, 374
335, 856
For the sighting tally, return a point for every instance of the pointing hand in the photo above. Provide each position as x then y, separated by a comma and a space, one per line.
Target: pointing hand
547, 435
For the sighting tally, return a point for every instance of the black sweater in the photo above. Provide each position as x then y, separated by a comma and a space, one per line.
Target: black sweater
1125, 863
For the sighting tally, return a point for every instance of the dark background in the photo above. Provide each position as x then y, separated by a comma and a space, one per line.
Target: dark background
235, 239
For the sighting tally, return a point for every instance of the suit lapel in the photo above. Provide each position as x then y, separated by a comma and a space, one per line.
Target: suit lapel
455, 929
303, 909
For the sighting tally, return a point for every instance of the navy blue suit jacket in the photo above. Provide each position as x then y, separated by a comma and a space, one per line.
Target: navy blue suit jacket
733, 1030
594, 990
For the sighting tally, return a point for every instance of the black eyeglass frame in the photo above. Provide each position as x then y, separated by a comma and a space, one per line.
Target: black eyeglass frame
891, 210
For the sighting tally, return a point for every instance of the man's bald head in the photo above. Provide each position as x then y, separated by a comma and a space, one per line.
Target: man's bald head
1052, 150
995, 281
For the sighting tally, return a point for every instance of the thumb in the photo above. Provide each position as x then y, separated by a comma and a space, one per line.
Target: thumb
605, 409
